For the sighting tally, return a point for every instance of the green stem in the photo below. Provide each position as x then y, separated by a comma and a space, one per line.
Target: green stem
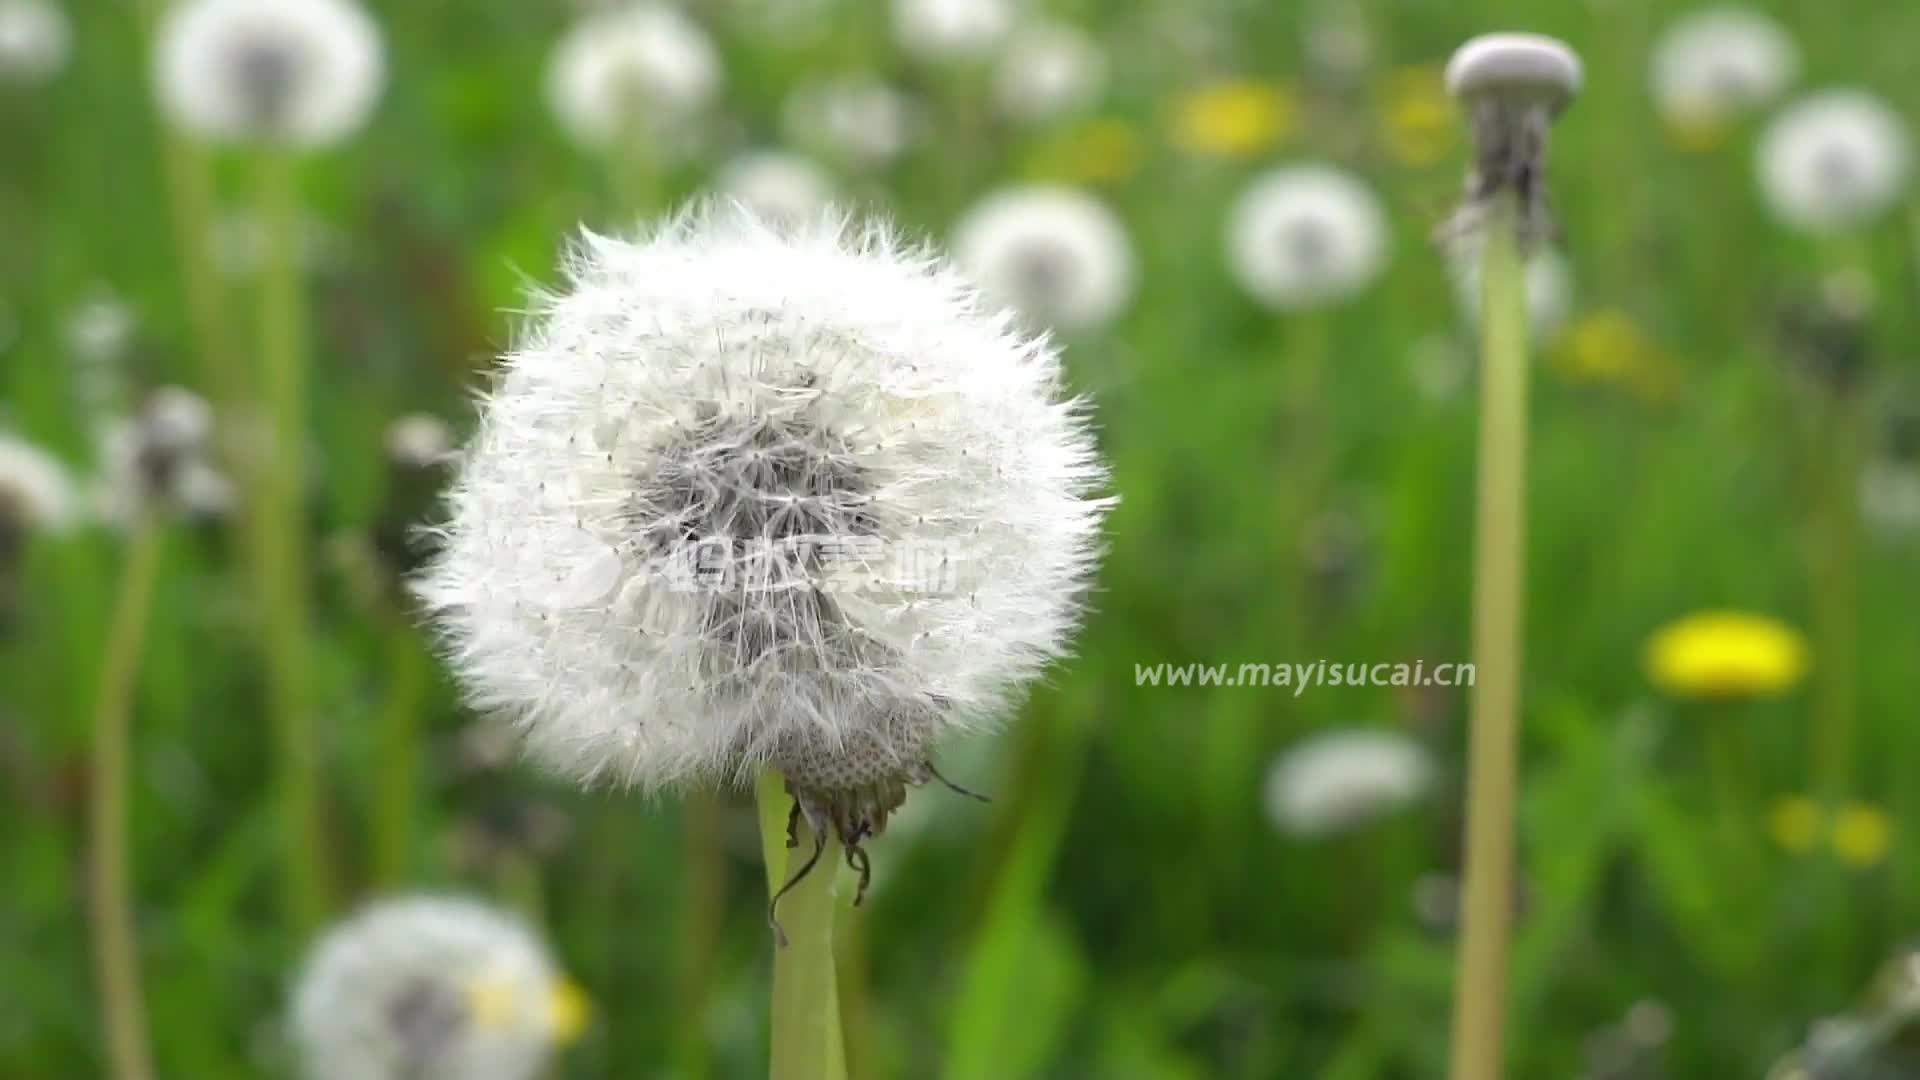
116, 945
397, 829
702, 922
1836, 599
807, 1040
282, 543
1480, 986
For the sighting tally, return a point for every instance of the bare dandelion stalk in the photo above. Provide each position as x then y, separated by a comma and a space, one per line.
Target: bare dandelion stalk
1514, 84
116, 947
807, 1039
399, 797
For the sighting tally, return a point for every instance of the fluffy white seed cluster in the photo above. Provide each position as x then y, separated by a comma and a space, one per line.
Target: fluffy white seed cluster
1340, 780
304, 73
1057, 255
1835, 160
640, 71
429, 988
161, 459
852, 119
777, 185
1306, 235
953, 30
1720, 62
36, 491
1049, 70
749, 495
34, 41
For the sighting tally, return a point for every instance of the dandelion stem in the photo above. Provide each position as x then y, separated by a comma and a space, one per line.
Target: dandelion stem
1836, 596
281, 527
1499, 560
116, 946
400, 756
703, 902
807, 1041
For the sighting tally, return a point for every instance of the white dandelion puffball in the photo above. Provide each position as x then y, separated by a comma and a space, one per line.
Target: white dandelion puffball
1306, 235
34, 40
430, 988
640, 70
301, 72
1834, 160
952, 30
852, 119
1057, 255
1049, 70
777, 186
1548, 278
1722, 61
748, 495
36, 491
160, 458
1339, 780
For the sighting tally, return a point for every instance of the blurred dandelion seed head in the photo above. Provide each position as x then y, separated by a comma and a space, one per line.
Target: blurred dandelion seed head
1047, 71
1717, 63
1302, 236
1340, 780
430, 988
945, 31
640, 71
160, 459
855, 120
716, 445
34, 41
419, 441
1059, 256
1834, 160
778, 186
304, 73
1726, 654
36, 491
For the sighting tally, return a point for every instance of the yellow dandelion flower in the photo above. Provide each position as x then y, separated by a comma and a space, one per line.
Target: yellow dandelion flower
1723, 654
1235, 118
1419, 122
1098, 153
1608, 348
1797, 824
1701, 131
1862, 835
568, 1011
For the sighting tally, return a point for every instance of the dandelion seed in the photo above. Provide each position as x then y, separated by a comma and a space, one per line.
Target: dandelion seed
34, 41
419, 442
304, 73
841, 512
1717, 63
778, 186
1303, 236
639, 71
1057, 255
1048, 71
1715, 654
945, 31
1341, 780
1834, 160
853, 119
431, 987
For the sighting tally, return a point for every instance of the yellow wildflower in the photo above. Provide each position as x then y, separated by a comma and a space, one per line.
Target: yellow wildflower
1700, 131
1608, 348
1235, 118
568, 1011
1419, 121
1862, 835
1097, 153
1797, 824
1722, 654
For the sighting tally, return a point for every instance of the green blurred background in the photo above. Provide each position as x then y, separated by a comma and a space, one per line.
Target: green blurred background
1124, 909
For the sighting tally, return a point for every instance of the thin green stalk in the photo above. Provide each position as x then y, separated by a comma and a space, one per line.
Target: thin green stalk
282, 541
115, 943
396, 826
703, 910
1480, 986
807, 1040
1836, 599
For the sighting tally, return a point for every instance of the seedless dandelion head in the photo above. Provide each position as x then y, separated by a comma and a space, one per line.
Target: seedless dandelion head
642, 70
1306, 235
429, 988
1834, 160
1049, 70
746, 495
1721, 61
304, 73
1512, 86
778, 186
1343, 779
36, 491
1058, 255
950, 30
34, 41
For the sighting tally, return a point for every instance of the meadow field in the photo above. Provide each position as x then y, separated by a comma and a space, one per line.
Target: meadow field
239, 350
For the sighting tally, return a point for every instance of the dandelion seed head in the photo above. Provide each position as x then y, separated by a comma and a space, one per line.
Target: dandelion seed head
852, 119
1339, 780
953, 30
1721, 61
643, 70
1306, 235
1048, 71
748, 495
1057, 255
304, 73
429, 988
34, 41
1834, 160
778, 186
36, 490
160, 458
